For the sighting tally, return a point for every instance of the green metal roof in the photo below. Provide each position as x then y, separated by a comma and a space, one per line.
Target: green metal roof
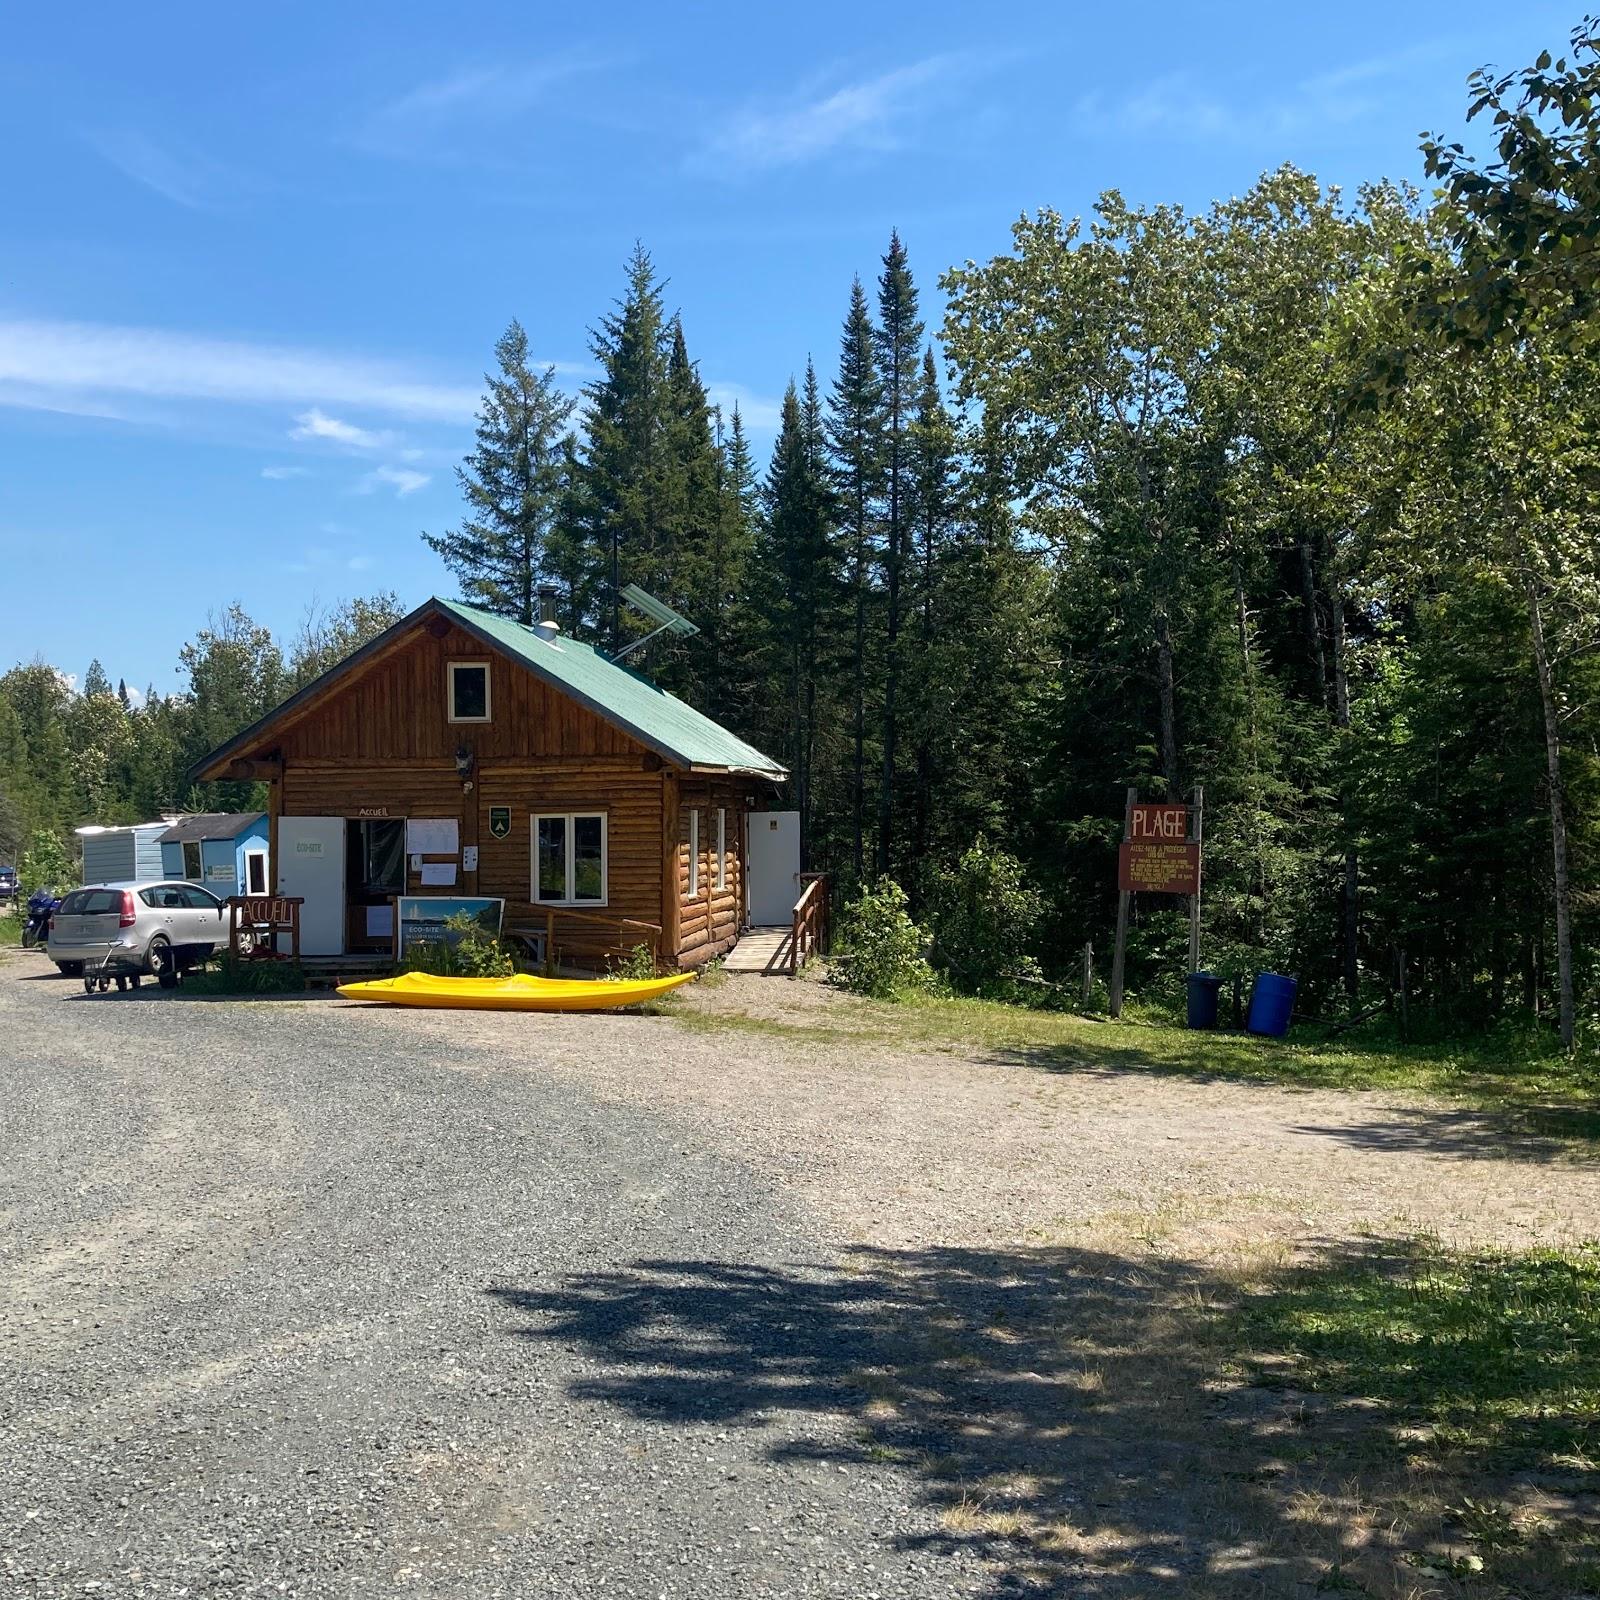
677, 731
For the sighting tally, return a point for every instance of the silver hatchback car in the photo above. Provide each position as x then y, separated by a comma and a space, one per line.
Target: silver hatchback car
129, 930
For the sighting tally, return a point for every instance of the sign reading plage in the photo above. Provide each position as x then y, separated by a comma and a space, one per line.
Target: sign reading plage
499, 822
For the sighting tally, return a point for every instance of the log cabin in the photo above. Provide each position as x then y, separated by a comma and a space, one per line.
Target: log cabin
531, 767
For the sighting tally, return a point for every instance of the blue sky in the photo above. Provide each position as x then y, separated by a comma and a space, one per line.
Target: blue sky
253, 260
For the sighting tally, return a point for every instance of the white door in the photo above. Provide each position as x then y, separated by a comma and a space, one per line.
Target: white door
774, 867
311, 864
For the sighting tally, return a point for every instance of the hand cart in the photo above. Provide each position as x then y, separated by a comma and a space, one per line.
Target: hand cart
100, 977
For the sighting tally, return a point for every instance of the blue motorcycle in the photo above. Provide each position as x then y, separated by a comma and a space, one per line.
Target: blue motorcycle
42, 905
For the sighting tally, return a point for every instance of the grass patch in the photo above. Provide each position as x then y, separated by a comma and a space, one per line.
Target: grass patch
1474, 1379
1493, 1355
230, 977
1555, 1095
11, 925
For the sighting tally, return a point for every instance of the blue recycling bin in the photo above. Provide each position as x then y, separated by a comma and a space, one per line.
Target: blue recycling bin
1271, 1005
1204, 987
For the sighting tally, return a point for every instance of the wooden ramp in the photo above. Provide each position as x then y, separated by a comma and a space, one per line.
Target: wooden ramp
760, 950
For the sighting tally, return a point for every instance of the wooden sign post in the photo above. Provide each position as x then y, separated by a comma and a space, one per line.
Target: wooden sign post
1124, 896
1159, 854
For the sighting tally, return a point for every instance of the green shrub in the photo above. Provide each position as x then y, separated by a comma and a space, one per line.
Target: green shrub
984, 919
232, 976
879, 948
466, 951
46, 864
636, 965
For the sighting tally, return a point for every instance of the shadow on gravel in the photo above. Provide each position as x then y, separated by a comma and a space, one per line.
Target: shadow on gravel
1084, 1420
1519, 1128
1534, 1133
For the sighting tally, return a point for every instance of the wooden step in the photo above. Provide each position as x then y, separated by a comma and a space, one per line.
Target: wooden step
764, 951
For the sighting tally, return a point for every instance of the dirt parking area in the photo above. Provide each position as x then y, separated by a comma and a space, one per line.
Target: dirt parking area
747, 1297
904, 1147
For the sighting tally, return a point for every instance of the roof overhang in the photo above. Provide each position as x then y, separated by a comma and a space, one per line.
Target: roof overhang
213, 767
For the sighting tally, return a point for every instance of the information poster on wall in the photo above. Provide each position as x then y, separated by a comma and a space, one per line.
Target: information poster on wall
426, 919
433, 836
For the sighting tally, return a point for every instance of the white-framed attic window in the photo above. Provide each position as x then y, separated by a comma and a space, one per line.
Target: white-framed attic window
467, 689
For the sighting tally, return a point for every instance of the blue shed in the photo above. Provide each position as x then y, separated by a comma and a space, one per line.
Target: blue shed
224, 850
122, 855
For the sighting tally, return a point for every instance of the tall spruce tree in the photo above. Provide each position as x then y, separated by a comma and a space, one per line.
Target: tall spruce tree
931, 469
899, 340
722, 608
795, 581
855, 435
681, 569
512, 482
625, 427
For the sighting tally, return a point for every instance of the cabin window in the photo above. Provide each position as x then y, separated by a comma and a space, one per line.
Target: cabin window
469, 691
192, 867
569, 859
694, 851
721, 878
255, 872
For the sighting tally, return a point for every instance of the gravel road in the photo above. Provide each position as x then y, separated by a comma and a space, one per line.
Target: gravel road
293, 1302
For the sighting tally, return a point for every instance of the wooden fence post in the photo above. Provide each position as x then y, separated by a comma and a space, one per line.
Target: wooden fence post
1119, 954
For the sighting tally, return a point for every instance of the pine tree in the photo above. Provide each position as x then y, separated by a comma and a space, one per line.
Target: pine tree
899, 339
931, 468
682, 568
625, 422
95, 681
855, 426
795, 583
512, 483
723, 608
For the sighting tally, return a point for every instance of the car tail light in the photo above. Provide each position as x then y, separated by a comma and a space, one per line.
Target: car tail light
127, 919
52, 926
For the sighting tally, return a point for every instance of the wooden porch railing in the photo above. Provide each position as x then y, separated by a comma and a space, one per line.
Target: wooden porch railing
542, 920
808, 933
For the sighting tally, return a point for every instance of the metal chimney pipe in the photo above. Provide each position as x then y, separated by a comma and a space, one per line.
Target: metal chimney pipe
547, 627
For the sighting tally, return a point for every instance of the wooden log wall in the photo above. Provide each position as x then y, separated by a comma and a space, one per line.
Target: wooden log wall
630, 798
709, 919
397, 709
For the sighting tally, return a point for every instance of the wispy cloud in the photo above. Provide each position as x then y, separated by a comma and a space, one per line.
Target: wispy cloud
323, 560
317, 424
432, 111
402, 480
65, 365
278, 474
869, 114
1177, 103
186, 179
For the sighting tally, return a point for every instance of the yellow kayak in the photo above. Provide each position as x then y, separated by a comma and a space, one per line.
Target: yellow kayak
520, 993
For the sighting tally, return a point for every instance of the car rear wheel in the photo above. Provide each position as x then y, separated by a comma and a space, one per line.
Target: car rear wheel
163, 968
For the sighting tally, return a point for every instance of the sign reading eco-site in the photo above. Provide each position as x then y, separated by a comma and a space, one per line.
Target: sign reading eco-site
1158, 857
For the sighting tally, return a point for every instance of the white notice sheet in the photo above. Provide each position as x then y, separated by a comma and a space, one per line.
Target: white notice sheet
432, 836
